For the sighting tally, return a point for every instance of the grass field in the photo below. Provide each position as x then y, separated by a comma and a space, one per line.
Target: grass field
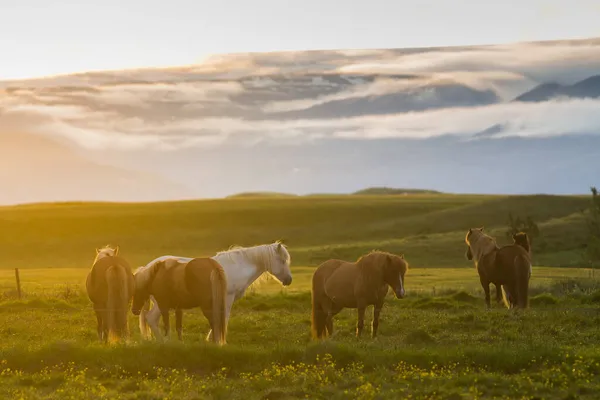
437, 343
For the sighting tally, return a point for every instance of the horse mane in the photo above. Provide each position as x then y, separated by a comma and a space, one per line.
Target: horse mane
261, 255
144, 274
106, 251
480, 243
367, 261
371, 266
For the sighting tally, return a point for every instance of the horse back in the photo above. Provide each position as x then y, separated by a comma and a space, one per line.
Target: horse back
197, 279
339, 282
183, 285
97, 283
324, 271
509, 260
168, 285
506, 255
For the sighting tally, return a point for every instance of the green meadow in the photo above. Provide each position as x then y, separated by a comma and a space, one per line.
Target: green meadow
438, 343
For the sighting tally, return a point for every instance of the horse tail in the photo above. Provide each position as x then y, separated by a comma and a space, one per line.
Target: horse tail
218, 284
117, 301
318, 317
505, 296
523, 270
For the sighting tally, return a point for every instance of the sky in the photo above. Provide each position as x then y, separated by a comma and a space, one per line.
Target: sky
365, 111
41, 38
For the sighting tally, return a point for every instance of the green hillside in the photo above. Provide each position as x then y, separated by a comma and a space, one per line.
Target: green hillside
429, 229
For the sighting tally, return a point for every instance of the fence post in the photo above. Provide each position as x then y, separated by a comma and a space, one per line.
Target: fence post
18, 282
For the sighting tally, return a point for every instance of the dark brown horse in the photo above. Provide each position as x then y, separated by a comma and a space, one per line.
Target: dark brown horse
338, 284
110, 287
508, 266
177, 286
522, 240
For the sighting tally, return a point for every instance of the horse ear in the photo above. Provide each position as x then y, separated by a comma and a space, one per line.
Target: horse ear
481, 229
116, 250
279, 246
470, 230
402, 256
97, 250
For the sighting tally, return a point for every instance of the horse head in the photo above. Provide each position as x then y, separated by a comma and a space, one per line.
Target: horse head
143, 278
522, 239
390, 268
280, 264
477, 247
107, 251
394, 271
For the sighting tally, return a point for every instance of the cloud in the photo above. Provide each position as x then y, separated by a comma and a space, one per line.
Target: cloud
565, 62
142, 95
507, 85
179, 108
94, 130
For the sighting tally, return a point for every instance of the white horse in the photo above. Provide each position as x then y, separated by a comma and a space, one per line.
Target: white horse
242, 266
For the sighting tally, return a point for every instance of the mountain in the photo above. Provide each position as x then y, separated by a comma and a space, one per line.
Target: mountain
428, 96
587, 88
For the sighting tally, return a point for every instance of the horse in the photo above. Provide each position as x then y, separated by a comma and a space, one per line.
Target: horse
110, 287
243, 266
522, 239
338, 284
508, 266
180, 285
499, 297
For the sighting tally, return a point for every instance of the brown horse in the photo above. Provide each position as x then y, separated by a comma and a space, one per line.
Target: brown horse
338, 284
522, 240
508, 266
110, 287
177, 285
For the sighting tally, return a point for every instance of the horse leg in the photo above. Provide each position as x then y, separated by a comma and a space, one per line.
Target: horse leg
165, 316
153, 319
99, 327
498, 293
179, 323
331, 310
486, 288
104, 316
376, 312
361, 319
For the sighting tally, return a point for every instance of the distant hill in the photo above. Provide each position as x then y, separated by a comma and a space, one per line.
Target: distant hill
372, 191
378, 191
259, 194
429, 231
587, 88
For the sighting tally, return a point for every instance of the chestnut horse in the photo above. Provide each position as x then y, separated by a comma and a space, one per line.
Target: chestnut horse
110, 287
181, 285
509, 266
338, 284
